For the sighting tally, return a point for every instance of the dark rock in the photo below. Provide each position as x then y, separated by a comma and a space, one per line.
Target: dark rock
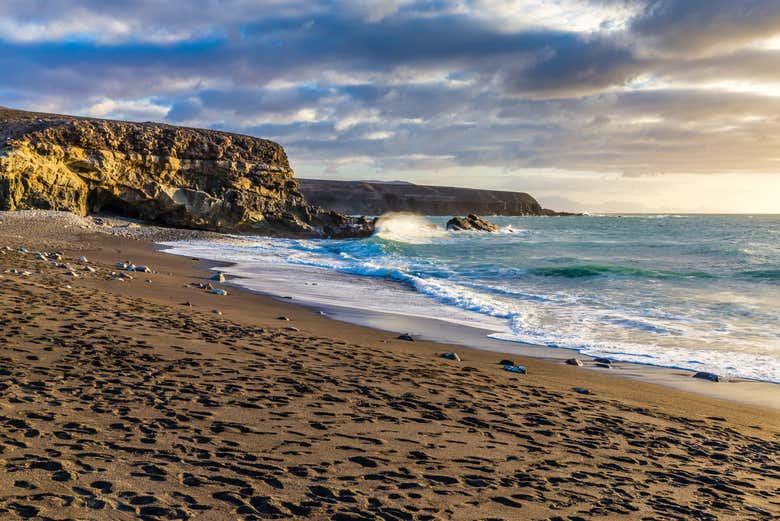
406, 336
507, 362
574, 361
176, 176
516, 369
580, 390
602, 360
451, 356
471, 223
604, 366
712, 377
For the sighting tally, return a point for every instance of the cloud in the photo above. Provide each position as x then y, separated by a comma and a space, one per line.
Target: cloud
705, 26
636, 88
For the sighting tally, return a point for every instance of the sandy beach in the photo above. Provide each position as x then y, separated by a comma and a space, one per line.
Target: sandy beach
152, 398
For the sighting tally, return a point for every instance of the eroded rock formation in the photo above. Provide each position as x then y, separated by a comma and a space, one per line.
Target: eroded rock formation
471, 223
177, 176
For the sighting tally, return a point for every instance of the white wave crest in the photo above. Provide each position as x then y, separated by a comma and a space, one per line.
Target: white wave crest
403, 227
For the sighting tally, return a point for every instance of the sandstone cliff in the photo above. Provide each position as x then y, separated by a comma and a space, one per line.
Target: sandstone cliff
374, 198
182, 177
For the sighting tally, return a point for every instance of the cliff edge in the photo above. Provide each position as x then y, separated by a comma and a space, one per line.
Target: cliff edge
183, 177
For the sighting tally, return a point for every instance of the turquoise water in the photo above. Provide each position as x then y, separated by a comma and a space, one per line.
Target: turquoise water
695, 292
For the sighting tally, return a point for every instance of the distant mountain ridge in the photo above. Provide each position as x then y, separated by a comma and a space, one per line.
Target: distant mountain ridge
376, 198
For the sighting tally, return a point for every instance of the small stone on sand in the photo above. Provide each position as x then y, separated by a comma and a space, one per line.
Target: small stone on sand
516, 369
712, 377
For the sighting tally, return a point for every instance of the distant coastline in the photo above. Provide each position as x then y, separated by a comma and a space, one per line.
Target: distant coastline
379, 197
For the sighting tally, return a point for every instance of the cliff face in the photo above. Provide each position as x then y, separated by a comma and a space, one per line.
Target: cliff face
176, 176
367, 198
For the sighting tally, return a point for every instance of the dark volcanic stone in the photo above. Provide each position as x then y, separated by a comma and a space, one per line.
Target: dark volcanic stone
712, 377
471, 223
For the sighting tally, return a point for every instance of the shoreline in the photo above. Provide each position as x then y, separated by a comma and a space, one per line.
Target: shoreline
738, 390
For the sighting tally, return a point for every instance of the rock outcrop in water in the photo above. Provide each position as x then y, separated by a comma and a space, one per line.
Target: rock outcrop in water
377, 198
471, 223
183, 177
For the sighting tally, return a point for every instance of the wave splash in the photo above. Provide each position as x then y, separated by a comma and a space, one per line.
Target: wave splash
408, 228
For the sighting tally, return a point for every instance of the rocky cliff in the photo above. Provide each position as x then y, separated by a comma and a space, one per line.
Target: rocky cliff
182, 177
375, 198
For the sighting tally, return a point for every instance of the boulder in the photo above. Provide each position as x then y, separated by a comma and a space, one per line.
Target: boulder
175, 176
471, 223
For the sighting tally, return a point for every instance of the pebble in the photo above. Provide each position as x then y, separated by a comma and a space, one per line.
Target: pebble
519, 369
712, 377
451, 356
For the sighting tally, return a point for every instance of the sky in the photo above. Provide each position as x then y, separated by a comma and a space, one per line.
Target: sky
589, 105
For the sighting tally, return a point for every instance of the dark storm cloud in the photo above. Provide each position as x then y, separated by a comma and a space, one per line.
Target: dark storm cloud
417, 84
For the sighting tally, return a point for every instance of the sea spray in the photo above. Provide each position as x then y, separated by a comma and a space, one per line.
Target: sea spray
408, 228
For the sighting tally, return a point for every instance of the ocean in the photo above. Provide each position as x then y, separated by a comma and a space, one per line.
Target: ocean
692, 292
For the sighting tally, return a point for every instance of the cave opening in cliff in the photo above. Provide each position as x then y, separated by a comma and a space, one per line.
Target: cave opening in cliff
103, 201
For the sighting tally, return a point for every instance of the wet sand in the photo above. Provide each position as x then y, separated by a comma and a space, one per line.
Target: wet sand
136, 399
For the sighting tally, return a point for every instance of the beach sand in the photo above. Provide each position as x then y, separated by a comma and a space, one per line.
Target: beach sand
136, 399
